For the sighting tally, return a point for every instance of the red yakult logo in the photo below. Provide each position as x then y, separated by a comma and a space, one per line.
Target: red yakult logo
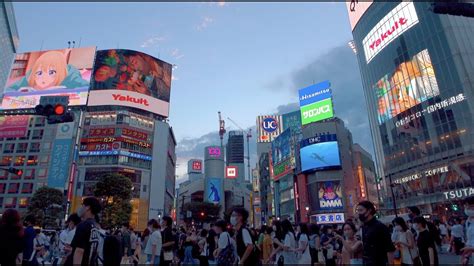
128, 98
398, 24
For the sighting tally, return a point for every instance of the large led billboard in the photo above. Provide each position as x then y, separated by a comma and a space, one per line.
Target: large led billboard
281, 147
316, 103
133, 79
394, 24
293, 121
411, 83
269, 127
65, 72
319, 153
214, 190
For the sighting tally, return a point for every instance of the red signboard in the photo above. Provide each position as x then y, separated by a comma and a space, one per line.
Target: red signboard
231, 172
100, 146
14, 126
119, 139
134, 134
197, 165
94, 132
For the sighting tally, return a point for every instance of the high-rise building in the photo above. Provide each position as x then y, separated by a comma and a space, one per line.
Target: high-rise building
235, 153
9, 40
416, 61
364, 169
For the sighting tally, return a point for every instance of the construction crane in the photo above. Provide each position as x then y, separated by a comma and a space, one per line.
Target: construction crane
221, 128
249, 135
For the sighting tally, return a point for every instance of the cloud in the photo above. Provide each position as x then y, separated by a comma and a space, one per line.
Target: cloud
152, 41
176, 53
339, 66
277, 84
287, 108
205, 22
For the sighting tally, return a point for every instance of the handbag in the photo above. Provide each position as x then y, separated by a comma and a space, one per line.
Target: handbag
227, 255
168, 255
321, 256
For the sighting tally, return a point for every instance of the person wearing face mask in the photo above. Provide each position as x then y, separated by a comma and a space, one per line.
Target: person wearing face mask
425, 242
328, 244
304, 257
245, 247
154, 243
377, 243
351, 247
468, 250
414, 212
405, 242
277, 239
86, 238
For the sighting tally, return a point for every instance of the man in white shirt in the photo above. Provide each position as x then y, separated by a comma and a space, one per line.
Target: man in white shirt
457, 236
243, 239
154, 244
66, 236
468, 250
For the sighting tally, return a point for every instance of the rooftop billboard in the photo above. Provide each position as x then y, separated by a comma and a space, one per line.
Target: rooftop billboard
356, 10
319, 153
131, 78
65, 72
269, 127
316, 103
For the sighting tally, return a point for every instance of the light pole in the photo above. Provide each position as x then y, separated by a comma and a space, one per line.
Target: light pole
307, 213
394, 201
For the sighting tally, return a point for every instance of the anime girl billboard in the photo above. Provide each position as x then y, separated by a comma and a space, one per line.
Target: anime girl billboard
65, 72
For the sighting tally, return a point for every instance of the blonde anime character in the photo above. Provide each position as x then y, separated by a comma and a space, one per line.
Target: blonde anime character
50, 71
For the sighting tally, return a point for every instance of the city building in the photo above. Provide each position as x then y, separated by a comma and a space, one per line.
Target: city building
235, 154
364, 169
9, 40
416, 63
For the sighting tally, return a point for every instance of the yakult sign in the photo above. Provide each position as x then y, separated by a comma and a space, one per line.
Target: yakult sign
396, 22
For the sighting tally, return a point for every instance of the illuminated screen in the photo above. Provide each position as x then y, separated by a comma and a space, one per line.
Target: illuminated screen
320, 155
65, 72
316, 103
214, 190
131, 78
412, 83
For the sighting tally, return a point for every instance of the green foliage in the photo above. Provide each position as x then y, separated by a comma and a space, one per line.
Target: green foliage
115, 191
47, 206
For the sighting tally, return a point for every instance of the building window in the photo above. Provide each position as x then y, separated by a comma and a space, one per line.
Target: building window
1, 202
27, 135
23, 202
27, 188
46, 146
19, 161
32, 160
3, 174
42, 173
13, 188
10, 203
29, 174
37, 134
6, 161
44, 159
21, 147
40, 121
35, 147
3, 186
9, 148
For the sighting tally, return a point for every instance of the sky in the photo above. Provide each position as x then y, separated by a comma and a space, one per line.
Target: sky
243, 59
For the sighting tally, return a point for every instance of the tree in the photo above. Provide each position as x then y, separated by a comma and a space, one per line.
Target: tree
115, 191
47, 206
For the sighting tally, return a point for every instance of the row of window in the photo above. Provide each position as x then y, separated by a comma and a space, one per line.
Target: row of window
119, 119
35, 134
14, 188
23, 147
117, 159
30, 160
28, 174
9, 203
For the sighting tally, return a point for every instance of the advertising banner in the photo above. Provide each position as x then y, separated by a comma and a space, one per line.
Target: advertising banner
281, 147
58, 172
65, 72
95, 132
196, 166
269, 127
320, 155
134, 134
329, 218
356, 10
412, 83
231, 172
283, 168
394, 24
330, 195
137, 80
214, 190
213, 152
14, 126
292, 121
316, 103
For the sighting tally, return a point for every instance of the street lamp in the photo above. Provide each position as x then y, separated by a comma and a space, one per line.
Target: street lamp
307, 213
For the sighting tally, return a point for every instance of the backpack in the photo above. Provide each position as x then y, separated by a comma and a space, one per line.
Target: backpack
252, 259
227, 255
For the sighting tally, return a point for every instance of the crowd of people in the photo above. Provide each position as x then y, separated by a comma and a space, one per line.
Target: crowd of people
363, 240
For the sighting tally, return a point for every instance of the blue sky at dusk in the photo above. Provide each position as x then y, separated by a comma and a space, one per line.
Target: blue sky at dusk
243, 59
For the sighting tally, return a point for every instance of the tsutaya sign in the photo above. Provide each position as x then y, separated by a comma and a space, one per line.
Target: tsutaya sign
459, 193
396, 22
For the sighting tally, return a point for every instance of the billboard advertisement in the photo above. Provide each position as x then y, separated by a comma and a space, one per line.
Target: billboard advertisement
316, 103
281, 147
356, 10
231, 172
196, 166
293, 121
14, 126
213, 152
65, 72
329, 218
214, 190
319, 153
131, 78
269, 127
389, 28
330, 195
58, 172
411, 83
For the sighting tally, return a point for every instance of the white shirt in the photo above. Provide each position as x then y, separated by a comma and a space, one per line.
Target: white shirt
290, 256
305, 257
246, 237
457, 231
155, 239
224, 240
470, 232
443, 230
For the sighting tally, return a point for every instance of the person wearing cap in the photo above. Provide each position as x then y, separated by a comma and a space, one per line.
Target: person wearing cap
377, 243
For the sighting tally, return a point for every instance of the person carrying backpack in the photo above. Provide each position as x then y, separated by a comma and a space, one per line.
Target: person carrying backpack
245, 247
225, 253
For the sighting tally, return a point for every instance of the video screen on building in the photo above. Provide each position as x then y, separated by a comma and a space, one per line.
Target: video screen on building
214, 190
320, 156
411, 83
316, 103
131, 78
65, 72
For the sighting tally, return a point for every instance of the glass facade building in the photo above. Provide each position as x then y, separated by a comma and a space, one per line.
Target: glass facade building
416, 69
8, 40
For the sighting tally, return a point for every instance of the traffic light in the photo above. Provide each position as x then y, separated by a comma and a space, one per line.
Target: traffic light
454, 207
55, 114
15, 171
202, 214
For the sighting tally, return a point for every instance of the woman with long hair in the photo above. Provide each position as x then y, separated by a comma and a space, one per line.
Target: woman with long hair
405, 241
352, 249
303, 255
314, 243
277, 239
289, 243
11, 238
